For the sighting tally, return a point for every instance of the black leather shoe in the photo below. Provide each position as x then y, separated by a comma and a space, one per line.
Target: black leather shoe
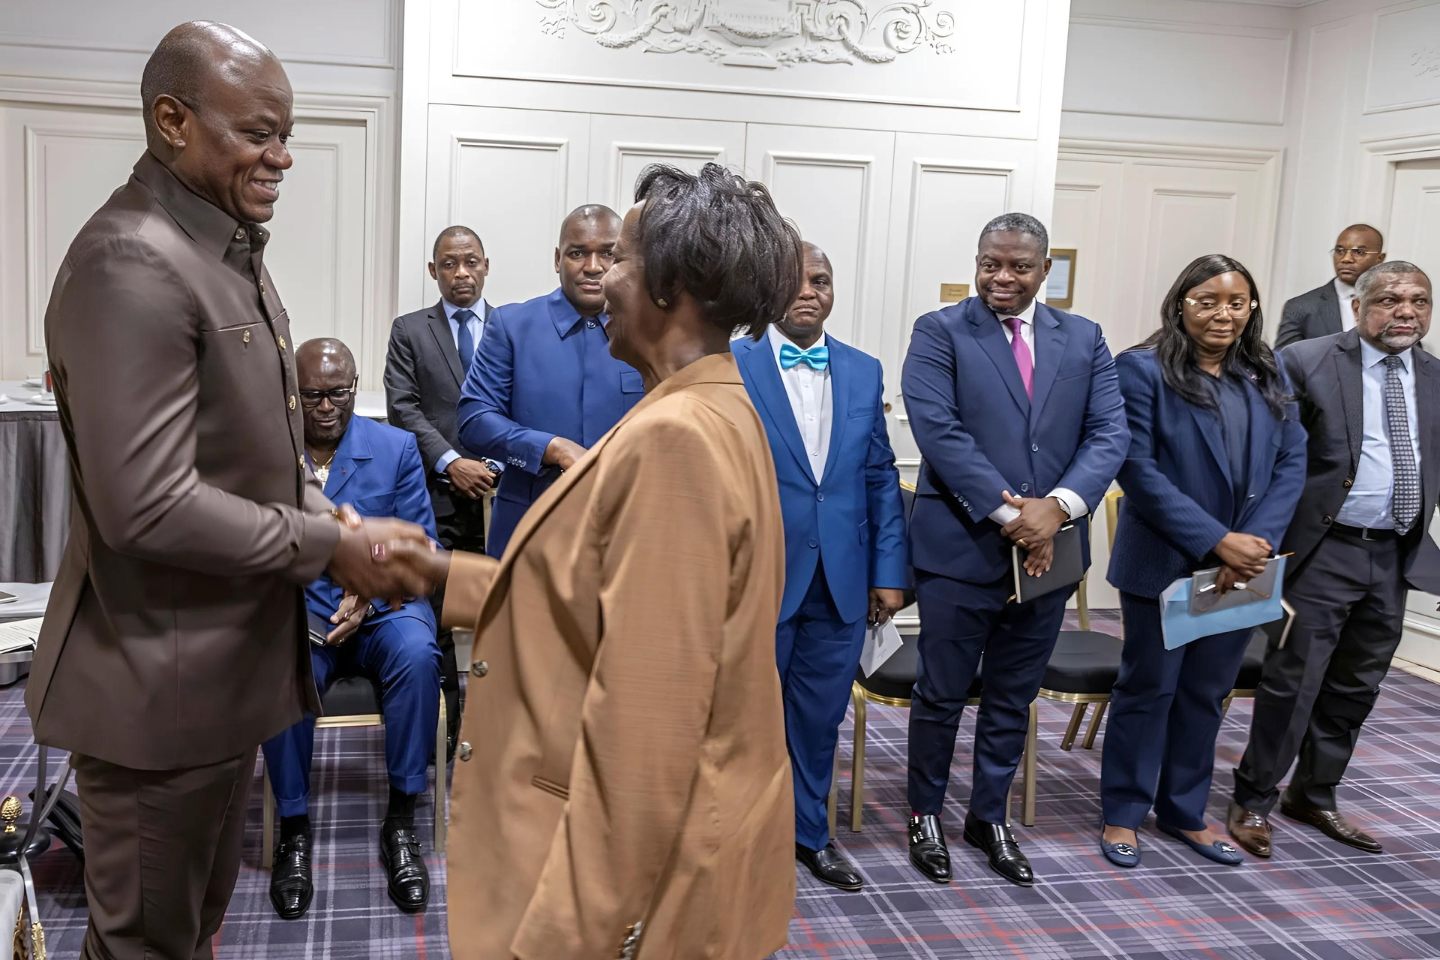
291, 889
830, 866
1000, 847
1329, 822
409, 878
927, 848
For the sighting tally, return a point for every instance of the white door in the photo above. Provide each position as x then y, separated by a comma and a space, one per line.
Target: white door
621, 147
1415, 236
511, 176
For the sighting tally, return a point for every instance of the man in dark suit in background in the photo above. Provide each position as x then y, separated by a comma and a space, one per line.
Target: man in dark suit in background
1326, 309
429, 355
1017, 411
1370, 400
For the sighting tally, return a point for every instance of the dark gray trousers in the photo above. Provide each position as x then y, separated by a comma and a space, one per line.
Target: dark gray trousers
1317, 690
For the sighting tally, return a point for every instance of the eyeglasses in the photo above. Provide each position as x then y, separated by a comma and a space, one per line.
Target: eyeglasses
338, 397
1205, 309
1359, 253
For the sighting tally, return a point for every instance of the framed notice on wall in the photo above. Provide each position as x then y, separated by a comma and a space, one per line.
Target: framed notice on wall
1060, 284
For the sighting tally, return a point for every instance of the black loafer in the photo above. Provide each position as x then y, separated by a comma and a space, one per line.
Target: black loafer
409, 879
1329, 822
927, 848
291, 888
830, 866
1001, 849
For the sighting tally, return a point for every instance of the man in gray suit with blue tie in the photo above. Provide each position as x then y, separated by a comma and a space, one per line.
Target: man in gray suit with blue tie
1370, 401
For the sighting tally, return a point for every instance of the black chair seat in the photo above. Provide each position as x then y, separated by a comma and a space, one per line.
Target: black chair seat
895, 679
1254, 663
1085, 662
351, 696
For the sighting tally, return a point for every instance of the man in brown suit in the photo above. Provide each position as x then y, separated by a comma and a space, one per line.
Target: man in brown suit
175, 639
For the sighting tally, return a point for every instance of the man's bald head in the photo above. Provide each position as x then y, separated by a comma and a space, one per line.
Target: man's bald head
326, 371
812, 251
326, 354
218, 112
596, 213
584, 255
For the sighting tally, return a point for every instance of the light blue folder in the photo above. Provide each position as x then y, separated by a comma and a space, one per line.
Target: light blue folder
1179, 626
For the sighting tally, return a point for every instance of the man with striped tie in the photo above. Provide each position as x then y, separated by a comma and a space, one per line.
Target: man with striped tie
1370, 401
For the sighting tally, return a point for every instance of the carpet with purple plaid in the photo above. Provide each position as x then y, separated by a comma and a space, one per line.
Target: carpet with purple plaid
1315, 899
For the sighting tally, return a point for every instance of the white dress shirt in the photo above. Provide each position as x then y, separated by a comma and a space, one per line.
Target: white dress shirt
476, 325
1069, 499
811, 400
1346, 293
1367, 504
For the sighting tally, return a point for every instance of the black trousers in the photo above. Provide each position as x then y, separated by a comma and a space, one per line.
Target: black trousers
1317, 690
460, 525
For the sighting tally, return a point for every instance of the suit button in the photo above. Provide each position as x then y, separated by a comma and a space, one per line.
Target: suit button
1327, 521
1034, 448
479, 668
1348, 482
1024, 488
463, 751
292, 402
262, 286
812, 544
820, 497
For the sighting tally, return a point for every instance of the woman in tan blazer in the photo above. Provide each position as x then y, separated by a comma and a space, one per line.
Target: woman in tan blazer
623, 786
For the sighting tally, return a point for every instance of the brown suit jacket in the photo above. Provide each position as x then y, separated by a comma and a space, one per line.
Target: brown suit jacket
175, 635
628, 739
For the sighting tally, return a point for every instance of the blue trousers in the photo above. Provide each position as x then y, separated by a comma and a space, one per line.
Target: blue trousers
817, 654
400, 652
1164, 716
959, 622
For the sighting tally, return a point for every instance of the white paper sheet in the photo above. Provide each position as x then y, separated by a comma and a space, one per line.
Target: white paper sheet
880, 645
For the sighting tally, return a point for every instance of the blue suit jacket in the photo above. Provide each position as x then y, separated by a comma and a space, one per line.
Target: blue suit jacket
852, 518
377, 470
536, 377
1179, 499
981, 435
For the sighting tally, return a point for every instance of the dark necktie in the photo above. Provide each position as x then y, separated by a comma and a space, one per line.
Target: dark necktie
465, 341
1405, 496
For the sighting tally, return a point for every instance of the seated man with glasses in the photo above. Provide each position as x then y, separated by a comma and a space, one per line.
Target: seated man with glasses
1326, 309
376, 469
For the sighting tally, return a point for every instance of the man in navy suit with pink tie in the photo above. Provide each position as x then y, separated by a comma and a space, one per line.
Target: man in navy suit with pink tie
1017, 412
823, 407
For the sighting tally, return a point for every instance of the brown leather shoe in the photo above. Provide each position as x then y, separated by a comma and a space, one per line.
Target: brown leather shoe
1249, 829
1332, 824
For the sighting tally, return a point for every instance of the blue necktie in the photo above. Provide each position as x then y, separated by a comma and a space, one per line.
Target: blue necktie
817, 358
465, 341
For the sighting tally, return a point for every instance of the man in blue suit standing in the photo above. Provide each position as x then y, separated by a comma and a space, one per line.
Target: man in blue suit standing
823, 407
376, 469
1017, 411
544, 387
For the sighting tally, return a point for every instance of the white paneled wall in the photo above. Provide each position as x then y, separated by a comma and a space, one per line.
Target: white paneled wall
70, 131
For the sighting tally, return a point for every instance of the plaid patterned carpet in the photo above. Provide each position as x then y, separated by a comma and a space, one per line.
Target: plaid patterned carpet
1315, 899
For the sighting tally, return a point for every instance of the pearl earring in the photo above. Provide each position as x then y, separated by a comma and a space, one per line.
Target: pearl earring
662, 303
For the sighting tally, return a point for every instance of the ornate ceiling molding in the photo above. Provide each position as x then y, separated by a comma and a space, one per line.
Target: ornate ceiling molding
758, 33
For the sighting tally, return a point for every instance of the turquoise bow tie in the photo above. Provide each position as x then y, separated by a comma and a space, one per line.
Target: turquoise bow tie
818, 358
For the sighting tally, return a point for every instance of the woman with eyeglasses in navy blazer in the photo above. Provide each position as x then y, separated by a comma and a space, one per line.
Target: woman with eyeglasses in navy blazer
1215, 467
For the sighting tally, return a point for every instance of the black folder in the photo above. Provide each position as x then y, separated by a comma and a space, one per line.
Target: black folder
1067, 568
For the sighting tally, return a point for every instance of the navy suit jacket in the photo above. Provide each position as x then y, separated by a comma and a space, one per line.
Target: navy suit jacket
536, 377
981, 435
377, 470
852, 519
1179, 498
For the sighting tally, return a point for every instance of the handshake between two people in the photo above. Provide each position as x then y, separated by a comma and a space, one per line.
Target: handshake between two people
1034, 529
392, 560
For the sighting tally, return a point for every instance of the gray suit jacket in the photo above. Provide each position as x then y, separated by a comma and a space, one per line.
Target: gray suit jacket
175, 635
422, 381
1326, 376
1310, 315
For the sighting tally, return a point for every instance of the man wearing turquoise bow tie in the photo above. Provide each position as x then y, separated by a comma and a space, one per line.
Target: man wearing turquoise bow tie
846, 558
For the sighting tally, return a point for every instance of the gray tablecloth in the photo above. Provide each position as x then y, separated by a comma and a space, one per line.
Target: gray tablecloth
34, 489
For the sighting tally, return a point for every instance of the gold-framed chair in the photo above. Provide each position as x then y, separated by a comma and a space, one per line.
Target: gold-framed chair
354, 701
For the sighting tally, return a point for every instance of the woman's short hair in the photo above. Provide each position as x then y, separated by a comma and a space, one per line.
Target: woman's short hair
719, 238
1249, 356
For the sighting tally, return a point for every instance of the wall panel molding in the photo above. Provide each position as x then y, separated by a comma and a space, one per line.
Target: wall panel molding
1404, 59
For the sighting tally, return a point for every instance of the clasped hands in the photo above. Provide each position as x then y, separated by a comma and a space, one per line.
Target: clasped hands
1035, 529
359, 566
1243, 557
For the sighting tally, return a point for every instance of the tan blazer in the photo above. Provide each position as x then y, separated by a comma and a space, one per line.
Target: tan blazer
175, 634
629, 773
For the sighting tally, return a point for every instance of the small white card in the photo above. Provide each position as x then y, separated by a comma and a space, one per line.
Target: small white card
19, 634
880, 645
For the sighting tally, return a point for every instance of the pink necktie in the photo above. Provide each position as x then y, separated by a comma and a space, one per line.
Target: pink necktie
1022, 356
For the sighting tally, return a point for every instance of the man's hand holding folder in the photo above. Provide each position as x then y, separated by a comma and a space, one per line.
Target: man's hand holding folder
1244, 557
1034, 529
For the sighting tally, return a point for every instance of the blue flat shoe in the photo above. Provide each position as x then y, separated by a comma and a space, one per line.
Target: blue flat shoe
1120, 854
1219, 851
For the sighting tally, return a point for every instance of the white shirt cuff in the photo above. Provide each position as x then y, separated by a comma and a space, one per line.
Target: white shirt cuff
446, 458
1072, 501
1003, 514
